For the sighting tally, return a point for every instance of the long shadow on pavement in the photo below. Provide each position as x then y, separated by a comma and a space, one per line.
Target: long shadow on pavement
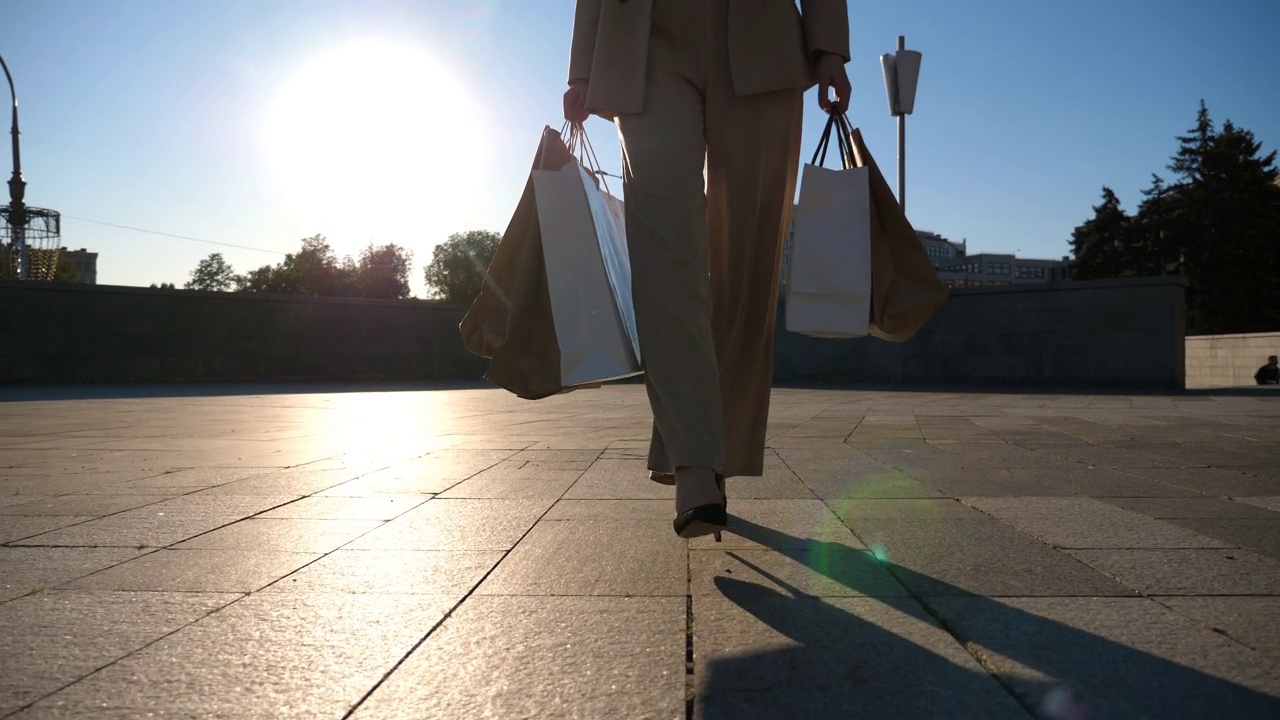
877, 662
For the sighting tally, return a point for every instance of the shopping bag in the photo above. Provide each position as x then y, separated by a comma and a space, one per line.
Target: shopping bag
829, 273
905, 289
588, 275
555, 311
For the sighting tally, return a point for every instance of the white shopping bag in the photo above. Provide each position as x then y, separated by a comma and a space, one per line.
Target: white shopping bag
584, 245
829, 280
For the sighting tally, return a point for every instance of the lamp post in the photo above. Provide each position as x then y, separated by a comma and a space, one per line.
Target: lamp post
901, 72
17, 186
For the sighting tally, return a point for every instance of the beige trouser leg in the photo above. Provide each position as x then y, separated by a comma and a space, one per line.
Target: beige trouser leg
705, 256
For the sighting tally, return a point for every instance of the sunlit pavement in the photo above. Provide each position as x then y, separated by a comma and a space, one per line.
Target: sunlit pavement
454, 553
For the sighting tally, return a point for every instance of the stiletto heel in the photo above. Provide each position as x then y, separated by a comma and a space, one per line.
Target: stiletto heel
709, 519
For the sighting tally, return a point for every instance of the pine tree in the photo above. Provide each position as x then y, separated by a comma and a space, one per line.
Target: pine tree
1154, 249
1222, 218
1101, 243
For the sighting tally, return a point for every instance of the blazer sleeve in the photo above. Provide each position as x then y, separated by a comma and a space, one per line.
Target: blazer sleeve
586, 25
826, 26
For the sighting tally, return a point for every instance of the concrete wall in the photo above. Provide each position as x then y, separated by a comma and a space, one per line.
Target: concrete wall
1109, 333
1228, 360
1092, 334
80, 333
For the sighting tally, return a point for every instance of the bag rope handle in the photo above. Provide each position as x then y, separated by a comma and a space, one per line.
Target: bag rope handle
579, 145
837, 122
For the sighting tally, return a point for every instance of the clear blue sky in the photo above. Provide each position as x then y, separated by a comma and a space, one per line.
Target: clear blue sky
235, 121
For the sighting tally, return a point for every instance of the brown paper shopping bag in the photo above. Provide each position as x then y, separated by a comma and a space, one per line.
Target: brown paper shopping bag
510, 322
554, 312
905, 289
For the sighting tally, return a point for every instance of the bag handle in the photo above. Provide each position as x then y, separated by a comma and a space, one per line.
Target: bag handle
837, 122
579, 145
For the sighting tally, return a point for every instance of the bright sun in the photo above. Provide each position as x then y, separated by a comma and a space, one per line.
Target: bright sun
375, 142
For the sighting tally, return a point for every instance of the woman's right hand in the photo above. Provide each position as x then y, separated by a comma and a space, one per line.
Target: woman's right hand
575, 102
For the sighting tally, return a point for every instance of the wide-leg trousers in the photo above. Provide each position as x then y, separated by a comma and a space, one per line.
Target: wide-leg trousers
709, 179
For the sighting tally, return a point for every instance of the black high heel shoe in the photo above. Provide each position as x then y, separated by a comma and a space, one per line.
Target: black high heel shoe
704, 519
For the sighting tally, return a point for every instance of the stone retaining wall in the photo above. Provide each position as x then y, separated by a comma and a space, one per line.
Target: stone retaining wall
1109, 333
1228, 360
57, 333
1092, 334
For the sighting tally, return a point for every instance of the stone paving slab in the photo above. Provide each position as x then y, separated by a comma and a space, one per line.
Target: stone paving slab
456, 525
197, 570
15, 528
1188, 572
1163, 508
1259, 535
316, 507
335, 646
105, 627
818, 573
775, 655
82, 505
1088, 523
140, 528
1212, 481
1125, 657
1250, 620
1270, 503
383, 552
588, 557
523, 657
30, 570
947, 556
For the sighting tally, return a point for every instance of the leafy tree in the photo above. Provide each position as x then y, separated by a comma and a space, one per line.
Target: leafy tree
458, 265
383, 272
1101, 243
260, 280
164, 286
213, 273
313, 270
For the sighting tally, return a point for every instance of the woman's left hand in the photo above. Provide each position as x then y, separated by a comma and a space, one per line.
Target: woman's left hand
831, 76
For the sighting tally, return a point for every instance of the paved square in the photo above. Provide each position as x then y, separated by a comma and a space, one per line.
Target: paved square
455, 552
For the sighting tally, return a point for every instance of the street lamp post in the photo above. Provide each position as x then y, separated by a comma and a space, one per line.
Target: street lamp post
901, 72
17, 186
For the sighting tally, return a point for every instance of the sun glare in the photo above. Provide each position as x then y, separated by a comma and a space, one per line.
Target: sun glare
375, 142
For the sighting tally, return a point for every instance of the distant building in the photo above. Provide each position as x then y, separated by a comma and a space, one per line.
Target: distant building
957, 268
940, 250
965, 270
86, 264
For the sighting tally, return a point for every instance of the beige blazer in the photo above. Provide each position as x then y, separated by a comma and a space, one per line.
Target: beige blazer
771, 45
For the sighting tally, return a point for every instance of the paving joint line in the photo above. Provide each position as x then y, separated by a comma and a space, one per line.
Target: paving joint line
946, 627
690, 680
466, 596
129, 654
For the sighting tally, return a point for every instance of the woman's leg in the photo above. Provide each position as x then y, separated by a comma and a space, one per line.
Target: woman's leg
664, 154
753, 151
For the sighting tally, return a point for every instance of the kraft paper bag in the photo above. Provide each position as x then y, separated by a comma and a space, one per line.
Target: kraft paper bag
905, 289
829, 275
514, 323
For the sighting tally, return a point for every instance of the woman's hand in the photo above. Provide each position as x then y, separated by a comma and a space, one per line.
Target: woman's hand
831, 76
575, 102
